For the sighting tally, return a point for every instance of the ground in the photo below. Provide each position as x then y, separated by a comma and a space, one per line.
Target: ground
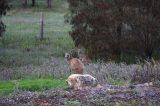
107, 95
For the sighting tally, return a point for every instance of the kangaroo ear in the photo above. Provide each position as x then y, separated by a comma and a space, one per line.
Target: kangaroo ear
67, 55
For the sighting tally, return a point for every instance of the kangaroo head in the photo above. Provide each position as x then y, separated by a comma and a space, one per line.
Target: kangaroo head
67, 56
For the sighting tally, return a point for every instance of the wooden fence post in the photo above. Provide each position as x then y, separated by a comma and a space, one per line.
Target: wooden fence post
42, 27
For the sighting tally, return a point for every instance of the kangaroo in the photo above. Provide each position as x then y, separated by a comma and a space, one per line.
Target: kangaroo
79, 81
75, 65
83, 57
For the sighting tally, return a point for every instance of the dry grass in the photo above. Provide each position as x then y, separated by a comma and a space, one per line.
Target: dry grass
147, 73
106, 72
110, 72
53, 68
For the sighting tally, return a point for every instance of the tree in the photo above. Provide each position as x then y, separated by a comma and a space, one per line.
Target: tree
109, 28
25, 2
97, 26
3, 8
49, 3
143, 17
33, 2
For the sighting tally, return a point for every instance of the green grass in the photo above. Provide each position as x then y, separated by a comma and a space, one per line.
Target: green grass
22, 54
7, 87
73, 103
118, 82
20, 44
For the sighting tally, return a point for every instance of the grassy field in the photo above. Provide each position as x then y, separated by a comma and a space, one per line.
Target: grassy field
29, 60
20, 44
7, 87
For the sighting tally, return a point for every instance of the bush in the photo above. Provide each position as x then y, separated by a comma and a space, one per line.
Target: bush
147, 73
3, 9
109, 28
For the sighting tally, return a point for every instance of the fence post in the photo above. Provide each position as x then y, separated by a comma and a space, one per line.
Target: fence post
42, 26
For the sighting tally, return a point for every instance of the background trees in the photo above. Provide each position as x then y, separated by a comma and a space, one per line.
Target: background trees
25, 2
145, 24
49, 3
111, 28
3, 9
33, 3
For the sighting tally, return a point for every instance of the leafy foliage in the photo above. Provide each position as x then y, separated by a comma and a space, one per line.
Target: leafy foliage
3, 8
110, 28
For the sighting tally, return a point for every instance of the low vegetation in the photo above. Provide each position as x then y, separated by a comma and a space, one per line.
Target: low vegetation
111, 29
7, 87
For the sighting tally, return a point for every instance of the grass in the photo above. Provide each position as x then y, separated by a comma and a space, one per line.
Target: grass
7, 87
118, 82
20, 44
73, 103
22, 54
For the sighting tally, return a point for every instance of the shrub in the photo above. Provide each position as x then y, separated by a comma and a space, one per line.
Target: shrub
109, 28
3, 8
147, 73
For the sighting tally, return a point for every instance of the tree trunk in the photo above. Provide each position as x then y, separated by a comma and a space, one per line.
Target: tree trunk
49, 3
149, 52
119, 35
25, 3
33, 2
